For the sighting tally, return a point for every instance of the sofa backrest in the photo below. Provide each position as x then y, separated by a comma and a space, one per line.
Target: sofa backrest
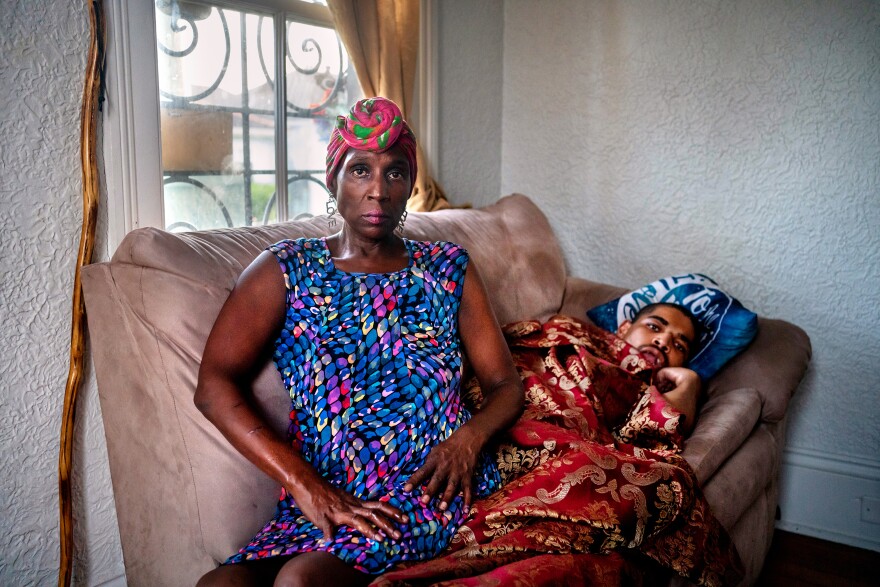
184, 496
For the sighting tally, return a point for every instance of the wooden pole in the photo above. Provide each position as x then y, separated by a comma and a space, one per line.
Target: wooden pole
91, 185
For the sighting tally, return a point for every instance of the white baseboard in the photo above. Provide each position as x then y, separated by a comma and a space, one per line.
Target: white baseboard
821, 496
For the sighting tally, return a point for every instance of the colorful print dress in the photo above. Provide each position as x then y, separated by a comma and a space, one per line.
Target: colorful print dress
372, 363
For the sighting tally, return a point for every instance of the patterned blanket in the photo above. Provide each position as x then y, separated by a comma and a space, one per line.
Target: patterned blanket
595, 489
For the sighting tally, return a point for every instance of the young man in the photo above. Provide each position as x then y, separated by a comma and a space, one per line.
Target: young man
665, 335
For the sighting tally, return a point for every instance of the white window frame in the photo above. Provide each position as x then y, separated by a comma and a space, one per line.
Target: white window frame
131, 126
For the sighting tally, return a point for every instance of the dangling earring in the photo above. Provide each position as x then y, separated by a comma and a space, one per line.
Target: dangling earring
399, 229
331, 209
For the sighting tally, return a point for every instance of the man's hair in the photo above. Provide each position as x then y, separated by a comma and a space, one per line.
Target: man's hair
698, 328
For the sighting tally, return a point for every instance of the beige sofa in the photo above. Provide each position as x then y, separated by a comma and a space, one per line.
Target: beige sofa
186, 499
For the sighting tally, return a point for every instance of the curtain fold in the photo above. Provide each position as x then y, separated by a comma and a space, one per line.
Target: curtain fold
382, 40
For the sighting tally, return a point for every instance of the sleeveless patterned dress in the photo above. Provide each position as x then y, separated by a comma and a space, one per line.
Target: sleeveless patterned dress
372, 363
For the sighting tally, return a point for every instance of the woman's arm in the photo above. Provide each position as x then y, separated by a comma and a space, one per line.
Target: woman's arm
489, 356
240, 341
450, 466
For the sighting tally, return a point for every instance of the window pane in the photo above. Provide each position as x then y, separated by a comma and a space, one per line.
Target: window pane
321, 84
217, 114
194, 202
218, 100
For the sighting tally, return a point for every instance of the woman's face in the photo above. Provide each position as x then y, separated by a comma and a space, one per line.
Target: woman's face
372, 190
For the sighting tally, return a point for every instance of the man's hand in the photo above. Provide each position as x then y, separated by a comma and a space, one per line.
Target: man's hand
685, 392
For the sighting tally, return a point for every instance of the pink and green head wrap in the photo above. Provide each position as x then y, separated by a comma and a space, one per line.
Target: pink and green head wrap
374, 124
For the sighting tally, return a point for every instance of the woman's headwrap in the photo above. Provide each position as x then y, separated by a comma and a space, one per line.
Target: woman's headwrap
374, 124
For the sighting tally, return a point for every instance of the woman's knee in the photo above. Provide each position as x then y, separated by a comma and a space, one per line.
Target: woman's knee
227, 576
318, 568
250, 573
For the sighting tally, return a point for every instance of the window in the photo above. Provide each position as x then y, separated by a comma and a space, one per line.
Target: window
246, 180
192, 111
228, 158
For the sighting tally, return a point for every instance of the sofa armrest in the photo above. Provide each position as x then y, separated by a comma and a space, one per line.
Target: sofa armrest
773, 365
581, 295
723, 423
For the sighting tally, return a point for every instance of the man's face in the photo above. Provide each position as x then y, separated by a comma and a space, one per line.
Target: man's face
664, 334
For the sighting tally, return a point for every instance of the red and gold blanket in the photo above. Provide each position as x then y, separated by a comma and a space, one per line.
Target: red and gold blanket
594, 484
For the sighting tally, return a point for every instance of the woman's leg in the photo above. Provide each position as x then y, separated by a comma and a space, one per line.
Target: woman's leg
319, 568
256, 573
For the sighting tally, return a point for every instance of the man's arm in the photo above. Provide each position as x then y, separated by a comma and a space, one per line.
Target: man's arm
685, 392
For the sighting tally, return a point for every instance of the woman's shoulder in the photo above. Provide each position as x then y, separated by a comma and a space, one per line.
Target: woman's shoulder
439, 251
442, 261
288, 248
300, 256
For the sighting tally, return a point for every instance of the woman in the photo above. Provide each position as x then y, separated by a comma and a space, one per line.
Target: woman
367, 330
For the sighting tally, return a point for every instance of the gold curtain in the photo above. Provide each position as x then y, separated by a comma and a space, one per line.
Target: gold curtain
382, 39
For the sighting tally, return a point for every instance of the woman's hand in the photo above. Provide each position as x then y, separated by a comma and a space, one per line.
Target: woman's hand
449, 468
328, 507
239, 343
685, 391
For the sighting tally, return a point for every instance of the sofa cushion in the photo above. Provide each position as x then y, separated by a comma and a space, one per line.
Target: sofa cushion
513, 246
511, 242
150, 311
581, 294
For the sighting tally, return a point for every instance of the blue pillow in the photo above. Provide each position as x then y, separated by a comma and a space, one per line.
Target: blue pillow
727, 327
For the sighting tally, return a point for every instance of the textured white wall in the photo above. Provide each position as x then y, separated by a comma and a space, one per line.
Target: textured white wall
43, 49
469, 66
738, 138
